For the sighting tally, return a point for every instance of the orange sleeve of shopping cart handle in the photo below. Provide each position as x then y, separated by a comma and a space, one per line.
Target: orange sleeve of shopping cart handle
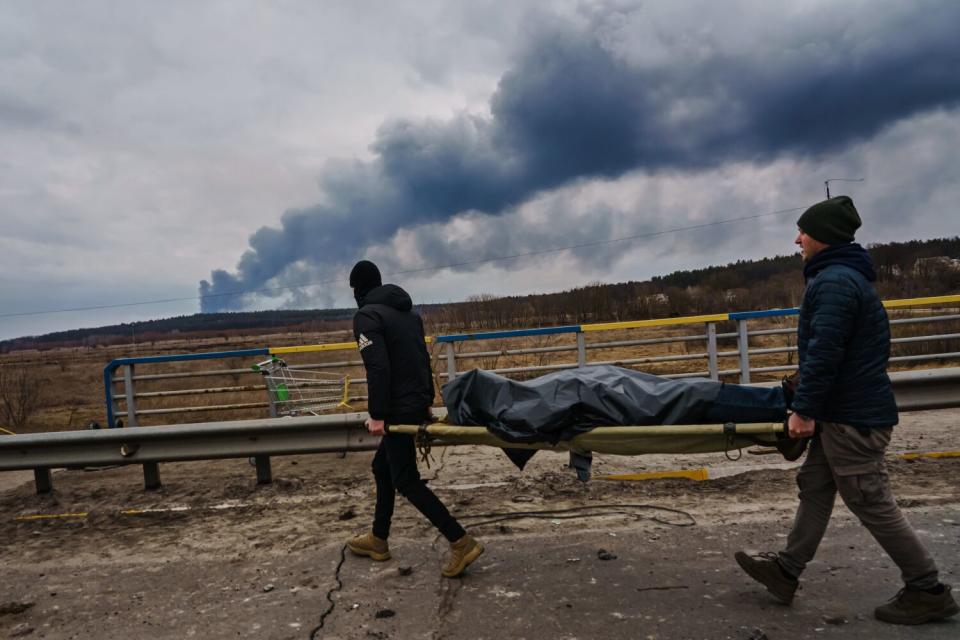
368, 331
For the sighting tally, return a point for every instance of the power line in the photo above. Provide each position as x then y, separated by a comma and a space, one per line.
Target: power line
454, 265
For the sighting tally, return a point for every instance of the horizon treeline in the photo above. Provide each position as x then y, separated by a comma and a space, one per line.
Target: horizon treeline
916, 268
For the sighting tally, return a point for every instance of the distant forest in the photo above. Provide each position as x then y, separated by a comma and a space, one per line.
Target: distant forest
905, 270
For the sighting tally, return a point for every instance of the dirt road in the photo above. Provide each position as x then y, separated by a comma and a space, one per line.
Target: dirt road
212, 555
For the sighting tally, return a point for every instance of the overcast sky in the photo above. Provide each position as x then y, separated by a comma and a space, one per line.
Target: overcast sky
167, 150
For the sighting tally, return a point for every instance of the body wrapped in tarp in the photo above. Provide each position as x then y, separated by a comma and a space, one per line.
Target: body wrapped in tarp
562, 405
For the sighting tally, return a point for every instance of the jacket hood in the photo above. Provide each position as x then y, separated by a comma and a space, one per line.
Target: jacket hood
390, 295
850, 255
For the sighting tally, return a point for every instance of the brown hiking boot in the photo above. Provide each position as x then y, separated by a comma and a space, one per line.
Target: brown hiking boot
766, 570
462, 553
914, 606
369, 545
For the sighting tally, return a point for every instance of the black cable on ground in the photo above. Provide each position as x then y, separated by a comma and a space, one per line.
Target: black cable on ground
339, 585
572, 513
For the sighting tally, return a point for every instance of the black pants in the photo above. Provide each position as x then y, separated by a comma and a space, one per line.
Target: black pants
395, 469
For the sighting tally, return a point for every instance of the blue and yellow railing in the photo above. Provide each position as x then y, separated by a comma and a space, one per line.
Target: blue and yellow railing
709, 320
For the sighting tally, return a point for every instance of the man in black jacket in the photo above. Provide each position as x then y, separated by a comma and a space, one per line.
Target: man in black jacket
400, 391
844, 345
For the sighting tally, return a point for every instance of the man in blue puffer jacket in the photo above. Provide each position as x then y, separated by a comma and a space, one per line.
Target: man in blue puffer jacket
844, 346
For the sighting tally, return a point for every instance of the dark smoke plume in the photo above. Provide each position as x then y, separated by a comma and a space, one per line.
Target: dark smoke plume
571, 107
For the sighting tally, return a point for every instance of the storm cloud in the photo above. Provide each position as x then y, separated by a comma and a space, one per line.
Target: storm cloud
585, 98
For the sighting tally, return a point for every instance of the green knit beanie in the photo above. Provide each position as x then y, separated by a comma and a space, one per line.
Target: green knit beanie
832, 221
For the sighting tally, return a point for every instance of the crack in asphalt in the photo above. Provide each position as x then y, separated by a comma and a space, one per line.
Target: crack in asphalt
449, 589
337, 587
446, 599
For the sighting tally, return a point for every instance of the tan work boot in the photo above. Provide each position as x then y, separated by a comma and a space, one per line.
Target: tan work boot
369, 545
462, 553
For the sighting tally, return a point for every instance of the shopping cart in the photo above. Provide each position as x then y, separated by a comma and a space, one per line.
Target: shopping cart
297, 392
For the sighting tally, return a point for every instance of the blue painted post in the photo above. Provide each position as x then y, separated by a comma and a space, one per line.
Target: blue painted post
108, 392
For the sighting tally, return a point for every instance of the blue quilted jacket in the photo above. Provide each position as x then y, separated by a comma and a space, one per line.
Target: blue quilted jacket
844, 342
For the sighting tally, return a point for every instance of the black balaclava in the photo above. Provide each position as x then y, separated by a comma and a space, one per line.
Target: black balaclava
363, 278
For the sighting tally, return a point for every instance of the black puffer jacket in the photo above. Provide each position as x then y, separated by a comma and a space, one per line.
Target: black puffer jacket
844, 342
391, 342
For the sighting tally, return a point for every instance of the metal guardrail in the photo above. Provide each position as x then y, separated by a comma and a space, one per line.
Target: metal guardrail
260, 439
149, 446
708, 334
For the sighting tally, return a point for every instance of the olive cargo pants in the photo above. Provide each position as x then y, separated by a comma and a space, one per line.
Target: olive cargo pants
845, 459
